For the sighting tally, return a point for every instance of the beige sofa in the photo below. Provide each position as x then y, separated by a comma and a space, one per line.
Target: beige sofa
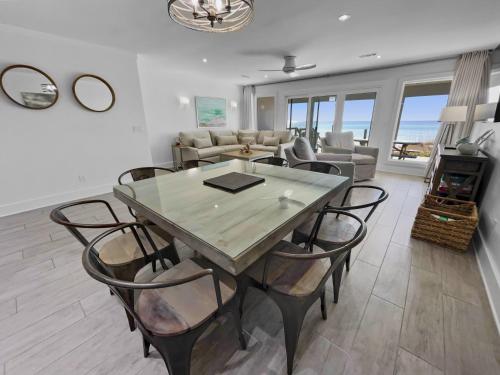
209, 144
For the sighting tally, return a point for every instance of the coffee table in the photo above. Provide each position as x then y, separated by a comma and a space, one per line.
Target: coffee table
255, 154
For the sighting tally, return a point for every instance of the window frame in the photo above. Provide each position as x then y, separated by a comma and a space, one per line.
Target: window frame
399, 111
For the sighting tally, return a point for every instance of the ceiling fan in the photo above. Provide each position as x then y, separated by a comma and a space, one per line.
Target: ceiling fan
290, 66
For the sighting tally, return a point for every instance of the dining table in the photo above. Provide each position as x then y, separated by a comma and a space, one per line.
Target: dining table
232, 230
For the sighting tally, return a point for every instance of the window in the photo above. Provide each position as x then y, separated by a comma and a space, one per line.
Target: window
297, 115
322, 117
419, 119
358, 115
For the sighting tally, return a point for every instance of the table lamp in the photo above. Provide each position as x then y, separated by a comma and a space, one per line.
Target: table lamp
485, 111
452, 115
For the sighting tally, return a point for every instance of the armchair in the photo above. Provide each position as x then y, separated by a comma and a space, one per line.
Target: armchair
364, 158
302, 152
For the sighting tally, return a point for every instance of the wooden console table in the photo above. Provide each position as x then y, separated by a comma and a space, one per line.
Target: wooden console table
456, 175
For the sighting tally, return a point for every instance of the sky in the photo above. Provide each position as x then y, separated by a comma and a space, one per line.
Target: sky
426, 108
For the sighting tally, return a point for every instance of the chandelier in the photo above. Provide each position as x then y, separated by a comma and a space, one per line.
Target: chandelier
216, 16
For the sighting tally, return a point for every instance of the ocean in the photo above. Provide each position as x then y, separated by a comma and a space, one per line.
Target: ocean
411, 131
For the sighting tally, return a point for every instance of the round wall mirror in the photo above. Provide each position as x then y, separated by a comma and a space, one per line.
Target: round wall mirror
29, 87
93, 93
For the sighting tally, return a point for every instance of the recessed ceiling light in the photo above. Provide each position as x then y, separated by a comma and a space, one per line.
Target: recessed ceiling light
344, 17
205, 60
266, 76
379, 57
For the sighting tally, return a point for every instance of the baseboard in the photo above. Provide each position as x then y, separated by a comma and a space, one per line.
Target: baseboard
48, 200
490, 275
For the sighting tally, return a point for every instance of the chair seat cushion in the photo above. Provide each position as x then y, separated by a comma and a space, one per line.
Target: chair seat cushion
124, 248
333, 232
360, 159
178, 309
210, 151
295, 277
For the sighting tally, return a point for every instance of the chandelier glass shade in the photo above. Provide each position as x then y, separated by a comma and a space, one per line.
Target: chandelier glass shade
217, 16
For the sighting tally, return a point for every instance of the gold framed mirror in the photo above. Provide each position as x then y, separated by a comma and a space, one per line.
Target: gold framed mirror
29, 87
93, 93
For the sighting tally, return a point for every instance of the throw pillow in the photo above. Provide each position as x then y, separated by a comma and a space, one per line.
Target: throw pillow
225, 140
271, 141
247, 140
262, 134
285, 136
247, 134
202, 142
303, 149
340, 140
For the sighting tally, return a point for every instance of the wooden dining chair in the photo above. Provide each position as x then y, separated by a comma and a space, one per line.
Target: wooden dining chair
272, 160
174, 306
123, 255
189, 164
336, 232
295, 278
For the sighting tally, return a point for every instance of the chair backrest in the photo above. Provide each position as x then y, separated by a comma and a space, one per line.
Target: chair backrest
143, 173
188, 164
98, 271
320, 167
273, 160
383, 195
58, 216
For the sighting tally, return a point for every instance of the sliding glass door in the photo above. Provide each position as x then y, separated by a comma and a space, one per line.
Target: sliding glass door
358, 114
322, 117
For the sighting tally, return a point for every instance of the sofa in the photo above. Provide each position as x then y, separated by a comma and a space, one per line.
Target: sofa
301, 152
364, 158
209, 144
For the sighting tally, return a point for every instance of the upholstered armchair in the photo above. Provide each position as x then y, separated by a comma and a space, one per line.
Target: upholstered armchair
364, 158
302, 152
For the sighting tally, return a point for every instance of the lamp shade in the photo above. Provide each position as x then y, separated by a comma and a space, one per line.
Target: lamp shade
453, 114
485, 111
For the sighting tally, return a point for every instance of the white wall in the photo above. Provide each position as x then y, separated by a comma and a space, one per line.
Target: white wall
265, 113
488, 234
161, 89
43, 152
387, 83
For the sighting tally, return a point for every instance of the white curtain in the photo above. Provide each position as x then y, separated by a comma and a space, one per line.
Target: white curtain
249, 113
468, 88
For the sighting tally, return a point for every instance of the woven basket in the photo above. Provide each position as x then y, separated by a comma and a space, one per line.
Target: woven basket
430, 223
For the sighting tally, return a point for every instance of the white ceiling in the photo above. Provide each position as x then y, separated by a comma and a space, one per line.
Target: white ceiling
401, 31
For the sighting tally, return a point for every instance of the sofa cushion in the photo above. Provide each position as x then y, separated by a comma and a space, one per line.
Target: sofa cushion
231, 148
247, 140
271, 141
224, 140
262, 134
302, 148
285, 136
264, 148
247, 133
360, 159
187, 138
340, 140
202, 142
210, 151
215, 133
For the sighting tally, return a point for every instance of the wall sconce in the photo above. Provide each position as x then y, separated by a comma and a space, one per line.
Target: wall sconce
233, 104
184, 101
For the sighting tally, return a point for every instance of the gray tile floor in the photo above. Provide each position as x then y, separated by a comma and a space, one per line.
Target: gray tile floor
406, 307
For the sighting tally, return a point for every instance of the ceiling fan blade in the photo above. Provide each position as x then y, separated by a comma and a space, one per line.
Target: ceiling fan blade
270, 70
305, 67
